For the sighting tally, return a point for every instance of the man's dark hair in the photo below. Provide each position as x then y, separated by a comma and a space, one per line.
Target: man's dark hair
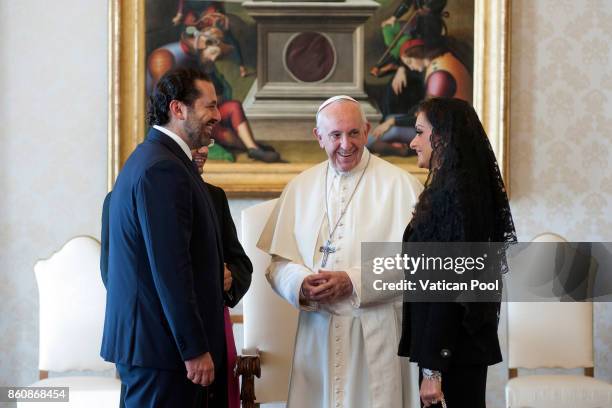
176, 84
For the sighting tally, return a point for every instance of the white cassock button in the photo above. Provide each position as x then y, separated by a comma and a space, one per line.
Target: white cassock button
337, 326
337, 339
337, 378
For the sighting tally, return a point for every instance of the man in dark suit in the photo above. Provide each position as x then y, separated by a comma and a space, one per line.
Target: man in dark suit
164, 324
236, 260
238, 267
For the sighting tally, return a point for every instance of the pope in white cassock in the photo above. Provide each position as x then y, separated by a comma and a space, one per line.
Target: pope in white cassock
346, 348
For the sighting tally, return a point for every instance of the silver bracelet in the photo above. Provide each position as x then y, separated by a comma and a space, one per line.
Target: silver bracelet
431, 374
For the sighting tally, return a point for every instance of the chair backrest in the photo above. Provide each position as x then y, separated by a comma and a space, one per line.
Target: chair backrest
269, 321
550, 334
71, 308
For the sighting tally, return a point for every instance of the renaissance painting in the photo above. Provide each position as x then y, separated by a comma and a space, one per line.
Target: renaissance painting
273, 63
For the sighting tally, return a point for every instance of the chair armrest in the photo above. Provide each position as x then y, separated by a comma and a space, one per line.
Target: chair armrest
248, 366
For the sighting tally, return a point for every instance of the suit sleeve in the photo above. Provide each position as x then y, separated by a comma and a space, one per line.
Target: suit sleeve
440, 336
104, 239
236, 259
165, 213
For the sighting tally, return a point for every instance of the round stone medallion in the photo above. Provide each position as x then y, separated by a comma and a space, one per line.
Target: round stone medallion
310, 57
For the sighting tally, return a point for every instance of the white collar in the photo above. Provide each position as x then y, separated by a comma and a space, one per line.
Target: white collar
357, 169
177, 139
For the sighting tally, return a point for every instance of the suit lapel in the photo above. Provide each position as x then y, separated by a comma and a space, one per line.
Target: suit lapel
156, 136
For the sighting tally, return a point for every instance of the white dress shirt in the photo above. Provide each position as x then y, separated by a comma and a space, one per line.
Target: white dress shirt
177, 139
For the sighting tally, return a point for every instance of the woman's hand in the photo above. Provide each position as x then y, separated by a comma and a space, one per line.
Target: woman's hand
431, 391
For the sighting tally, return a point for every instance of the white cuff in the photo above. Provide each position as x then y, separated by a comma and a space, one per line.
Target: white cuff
286, 279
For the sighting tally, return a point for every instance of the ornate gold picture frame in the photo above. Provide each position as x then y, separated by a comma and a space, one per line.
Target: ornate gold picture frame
126, 126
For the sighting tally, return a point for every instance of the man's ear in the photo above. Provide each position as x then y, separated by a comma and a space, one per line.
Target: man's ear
317, 135
368, 127
177, 109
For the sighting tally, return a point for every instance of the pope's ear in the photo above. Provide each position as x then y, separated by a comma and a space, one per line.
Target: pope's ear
368, 127
317, 135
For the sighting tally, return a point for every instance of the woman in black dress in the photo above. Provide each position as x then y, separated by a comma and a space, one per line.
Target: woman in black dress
464, 201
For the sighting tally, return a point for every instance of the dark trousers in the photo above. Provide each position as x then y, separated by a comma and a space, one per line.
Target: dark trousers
463, 387
153, 388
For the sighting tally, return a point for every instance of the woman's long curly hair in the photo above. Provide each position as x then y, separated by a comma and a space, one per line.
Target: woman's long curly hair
464, 198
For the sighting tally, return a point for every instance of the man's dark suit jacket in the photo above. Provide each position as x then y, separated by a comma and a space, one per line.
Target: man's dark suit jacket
165, 265
237, 260
234, 256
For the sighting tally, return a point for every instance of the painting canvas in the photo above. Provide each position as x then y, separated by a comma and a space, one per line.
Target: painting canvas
273, 63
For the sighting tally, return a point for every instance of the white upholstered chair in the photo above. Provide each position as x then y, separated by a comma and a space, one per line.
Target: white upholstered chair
71, 303
269, 322
553, 335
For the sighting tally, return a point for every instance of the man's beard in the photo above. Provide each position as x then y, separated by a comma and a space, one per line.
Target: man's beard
198, 135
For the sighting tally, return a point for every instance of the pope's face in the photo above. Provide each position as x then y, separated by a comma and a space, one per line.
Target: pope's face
422, 141
342, 133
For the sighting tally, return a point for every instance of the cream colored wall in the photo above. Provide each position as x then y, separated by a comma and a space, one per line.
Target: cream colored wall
561, 130
561, 137
53, 164
53, 157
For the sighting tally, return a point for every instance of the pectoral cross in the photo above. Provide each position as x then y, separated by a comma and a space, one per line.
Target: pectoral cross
326, 249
